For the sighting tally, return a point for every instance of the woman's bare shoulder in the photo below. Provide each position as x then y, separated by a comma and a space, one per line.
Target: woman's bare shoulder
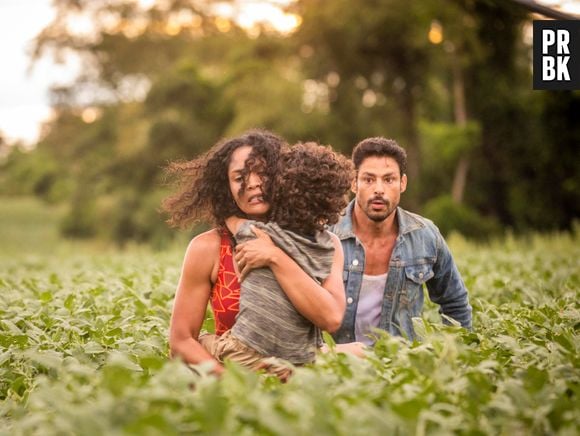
205, 242
202, 256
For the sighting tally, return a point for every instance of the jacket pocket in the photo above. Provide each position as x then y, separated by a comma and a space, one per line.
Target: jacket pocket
415, 277
419, 274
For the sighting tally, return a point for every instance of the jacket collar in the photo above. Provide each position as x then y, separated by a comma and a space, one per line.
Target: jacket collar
407, 221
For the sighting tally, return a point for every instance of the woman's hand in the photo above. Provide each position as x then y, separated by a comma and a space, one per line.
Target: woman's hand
257, 253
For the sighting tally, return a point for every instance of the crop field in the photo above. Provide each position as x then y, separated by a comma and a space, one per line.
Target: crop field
83, 350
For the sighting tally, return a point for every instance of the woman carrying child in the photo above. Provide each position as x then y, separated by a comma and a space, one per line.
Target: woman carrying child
308, 193
213, 187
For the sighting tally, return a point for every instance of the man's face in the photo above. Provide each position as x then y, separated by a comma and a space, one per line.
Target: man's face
378, 187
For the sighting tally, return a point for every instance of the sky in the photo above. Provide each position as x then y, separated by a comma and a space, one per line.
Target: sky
24, 92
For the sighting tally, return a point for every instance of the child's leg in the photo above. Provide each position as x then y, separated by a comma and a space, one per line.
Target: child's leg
228, 347
209, 342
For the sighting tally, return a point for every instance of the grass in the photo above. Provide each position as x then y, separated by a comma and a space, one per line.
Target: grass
27, 226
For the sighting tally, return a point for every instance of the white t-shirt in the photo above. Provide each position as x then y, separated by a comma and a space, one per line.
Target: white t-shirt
370, 303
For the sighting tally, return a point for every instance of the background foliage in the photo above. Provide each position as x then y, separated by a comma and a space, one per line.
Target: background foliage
83, 350
450, 81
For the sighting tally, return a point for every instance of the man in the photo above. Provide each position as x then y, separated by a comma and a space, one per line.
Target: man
390, 253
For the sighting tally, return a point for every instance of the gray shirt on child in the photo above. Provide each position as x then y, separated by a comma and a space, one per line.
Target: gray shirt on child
268, 322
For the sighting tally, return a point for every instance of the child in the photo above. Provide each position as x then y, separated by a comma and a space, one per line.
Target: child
309, 192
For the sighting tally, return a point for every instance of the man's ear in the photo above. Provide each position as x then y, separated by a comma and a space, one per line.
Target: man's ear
353, 186
403, 183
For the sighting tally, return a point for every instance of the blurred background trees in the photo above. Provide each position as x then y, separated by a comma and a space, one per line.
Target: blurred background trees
450, 81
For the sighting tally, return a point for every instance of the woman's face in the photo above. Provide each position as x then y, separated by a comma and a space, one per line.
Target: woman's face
251, 200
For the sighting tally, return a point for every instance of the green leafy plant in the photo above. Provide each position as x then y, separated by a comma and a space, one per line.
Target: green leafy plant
83, 350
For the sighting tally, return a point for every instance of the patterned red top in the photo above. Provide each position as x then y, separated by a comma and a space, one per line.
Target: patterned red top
225, 295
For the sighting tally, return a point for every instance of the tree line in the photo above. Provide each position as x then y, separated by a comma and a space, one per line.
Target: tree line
450, 81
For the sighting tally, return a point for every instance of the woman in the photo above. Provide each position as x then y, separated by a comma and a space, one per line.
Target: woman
215, 186
309, 193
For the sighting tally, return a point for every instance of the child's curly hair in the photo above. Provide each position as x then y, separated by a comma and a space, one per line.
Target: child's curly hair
311, 187
203, 190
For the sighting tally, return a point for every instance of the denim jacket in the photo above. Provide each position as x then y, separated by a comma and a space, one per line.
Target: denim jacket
420, 256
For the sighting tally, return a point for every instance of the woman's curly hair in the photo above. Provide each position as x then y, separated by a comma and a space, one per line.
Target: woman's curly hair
203, 190
311, 188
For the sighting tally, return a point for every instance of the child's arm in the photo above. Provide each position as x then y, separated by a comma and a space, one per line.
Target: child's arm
234, 223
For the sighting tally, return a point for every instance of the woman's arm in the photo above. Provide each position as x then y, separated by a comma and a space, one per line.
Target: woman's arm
323, 305
191, 298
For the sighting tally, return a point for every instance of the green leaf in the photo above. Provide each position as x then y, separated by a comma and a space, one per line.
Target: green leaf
328, 340
93, 348
47, 358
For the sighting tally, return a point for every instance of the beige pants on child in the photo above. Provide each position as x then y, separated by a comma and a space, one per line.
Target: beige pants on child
227, 346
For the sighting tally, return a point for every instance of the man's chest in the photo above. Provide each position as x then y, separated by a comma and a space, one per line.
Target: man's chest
377, 256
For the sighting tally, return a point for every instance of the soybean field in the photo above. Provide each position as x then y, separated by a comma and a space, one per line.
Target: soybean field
83, 350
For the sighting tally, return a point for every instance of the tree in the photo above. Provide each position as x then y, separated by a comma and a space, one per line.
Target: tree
166, 82
383, 50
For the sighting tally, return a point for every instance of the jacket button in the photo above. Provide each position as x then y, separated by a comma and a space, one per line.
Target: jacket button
349, 300
355, 262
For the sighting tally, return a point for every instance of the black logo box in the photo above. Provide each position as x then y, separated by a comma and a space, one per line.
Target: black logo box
549, 36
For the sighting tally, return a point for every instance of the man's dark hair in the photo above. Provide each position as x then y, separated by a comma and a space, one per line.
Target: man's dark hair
203, 189
311, 187
379, 147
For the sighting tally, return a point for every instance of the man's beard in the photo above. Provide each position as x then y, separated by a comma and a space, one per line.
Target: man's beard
378, 216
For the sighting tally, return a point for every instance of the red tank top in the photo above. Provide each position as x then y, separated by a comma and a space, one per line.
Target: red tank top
225, 296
